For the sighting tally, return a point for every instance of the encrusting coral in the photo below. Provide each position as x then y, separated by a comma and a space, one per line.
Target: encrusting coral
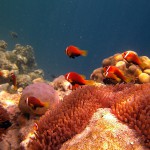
74, 113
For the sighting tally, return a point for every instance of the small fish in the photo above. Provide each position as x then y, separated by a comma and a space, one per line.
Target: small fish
34, 102
13, 80
73, 51
77, 79
132, 57
112, 76
14, 35
1, 74
110, 70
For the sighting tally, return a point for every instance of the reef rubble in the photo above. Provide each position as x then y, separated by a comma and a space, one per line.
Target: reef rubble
108, 124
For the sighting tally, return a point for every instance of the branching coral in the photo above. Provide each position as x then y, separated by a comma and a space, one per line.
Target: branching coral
74, 113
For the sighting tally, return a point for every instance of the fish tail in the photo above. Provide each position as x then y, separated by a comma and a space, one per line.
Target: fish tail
127, 80
15, 88
83, 52
90, 82
46, 104
118, 79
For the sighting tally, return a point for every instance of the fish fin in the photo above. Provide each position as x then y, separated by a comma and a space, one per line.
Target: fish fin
83, 76
83, 52
127, 80
34, 107
46, 104
90, 82
15, 88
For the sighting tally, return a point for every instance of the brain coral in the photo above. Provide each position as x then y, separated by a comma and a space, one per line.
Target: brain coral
44, 92
73, 114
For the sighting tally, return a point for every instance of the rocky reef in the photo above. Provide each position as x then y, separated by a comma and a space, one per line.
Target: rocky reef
99, 116
21, 62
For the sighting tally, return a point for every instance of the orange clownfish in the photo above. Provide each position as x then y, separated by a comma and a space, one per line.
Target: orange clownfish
1, 74
34, 102
73, 51
14, 80
130, 56
114, 73
112, 76
77, 79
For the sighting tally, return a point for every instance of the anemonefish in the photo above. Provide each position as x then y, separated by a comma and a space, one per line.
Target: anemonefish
73, 51
132, 57
114, 73
14, 80
34, 102
76, 79
1, 74
112, 76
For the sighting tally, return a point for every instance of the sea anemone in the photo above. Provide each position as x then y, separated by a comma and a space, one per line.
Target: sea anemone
73, 114
44, 92
70, 118
134, 109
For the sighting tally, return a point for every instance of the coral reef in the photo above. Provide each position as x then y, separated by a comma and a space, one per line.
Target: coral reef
4, 121
42, 91
24, 58
74, 113
134, 72
3, 45
20, 61
121, 117
62, 86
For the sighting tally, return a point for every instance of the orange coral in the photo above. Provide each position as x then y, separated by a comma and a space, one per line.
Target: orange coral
129, 102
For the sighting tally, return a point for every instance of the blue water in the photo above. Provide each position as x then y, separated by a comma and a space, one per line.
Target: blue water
103, 27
